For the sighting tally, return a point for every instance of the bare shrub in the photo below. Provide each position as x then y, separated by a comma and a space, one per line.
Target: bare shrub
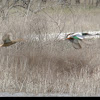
39, 65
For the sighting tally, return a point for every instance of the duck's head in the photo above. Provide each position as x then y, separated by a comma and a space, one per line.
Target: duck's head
69, 36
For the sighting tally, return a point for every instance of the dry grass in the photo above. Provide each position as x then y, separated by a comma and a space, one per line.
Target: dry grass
34, 67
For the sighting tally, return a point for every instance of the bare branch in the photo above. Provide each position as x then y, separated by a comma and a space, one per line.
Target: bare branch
60, 30
28, 10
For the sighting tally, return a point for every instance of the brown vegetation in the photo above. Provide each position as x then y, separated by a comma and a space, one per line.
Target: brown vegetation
35, 67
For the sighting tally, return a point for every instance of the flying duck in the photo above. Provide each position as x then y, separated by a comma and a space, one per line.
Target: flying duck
7, 41
74, 38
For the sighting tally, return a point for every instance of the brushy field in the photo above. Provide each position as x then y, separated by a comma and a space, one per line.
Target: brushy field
34, 67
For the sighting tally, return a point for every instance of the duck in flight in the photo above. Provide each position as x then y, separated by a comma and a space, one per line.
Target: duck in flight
7, 41
74, 38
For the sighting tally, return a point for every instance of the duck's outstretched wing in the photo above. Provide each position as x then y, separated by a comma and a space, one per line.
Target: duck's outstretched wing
6, 38
76, 44
18, 40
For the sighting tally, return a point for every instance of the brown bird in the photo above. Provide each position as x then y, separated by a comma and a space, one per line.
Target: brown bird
7, 41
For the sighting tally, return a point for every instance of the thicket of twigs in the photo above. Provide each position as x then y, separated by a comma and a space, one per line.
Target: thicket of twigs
39, 65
